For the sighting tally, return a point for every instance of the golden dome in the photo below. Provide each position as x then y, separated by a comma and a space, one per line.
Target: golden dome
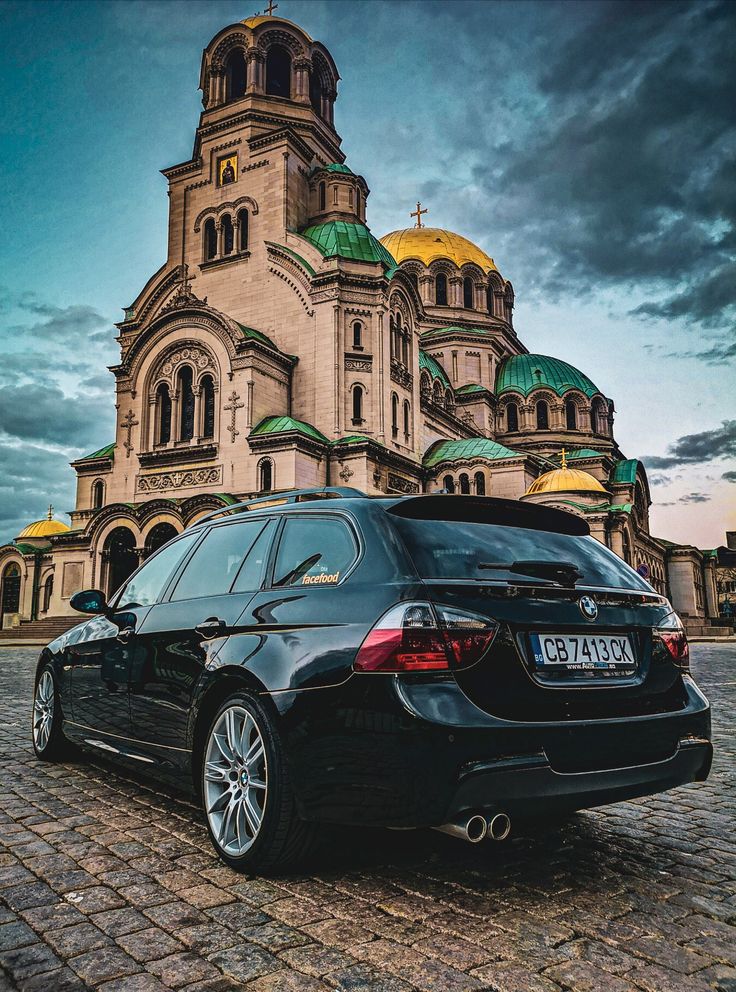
565, 480
258, 19
44, 528
429, 243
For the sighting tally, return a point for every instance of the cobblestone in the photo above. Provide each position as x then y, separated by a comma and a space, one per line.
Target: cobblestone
109, 883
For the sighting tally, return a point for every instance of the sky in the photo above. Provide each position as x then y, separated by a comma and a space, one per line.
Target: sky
588, 147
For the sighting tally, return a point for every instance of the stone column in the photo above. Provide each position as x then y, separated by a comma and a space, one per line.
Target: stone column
425, 289
617, 540
711, 588
254, 76
220, 240
174, 417
302, 69
197, 414
455, 291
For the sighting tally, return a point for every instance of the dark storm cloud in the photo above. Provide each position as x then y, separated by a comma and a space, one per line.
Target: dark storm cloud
729, 476
624, 175
44, 413
694, 498
32, 477
695, 448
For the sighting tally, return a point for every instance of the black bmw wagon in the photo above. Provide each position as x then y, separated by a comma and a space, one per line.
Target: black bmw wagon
435, 661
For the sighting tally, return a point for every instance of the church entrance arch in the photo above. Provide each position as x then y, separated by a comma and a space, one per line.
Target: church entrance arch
158, 536
10, 591
120, 556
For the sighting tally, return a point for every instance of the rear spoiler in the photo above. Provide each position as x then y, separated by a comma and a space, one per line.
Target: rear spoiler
489, 510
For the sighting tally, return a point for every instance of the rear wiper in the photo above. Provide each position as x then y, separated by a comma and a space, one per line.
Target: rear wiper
296, 573
564, 573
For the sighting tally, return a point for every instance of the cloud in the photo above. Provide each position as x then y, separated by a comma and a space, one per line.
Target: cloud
729, 476
35, 412
694, 498
701, 447
33, 477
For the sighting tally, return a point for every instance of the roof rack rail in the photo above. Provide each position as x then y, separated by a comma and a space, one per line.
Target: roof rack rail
287, 496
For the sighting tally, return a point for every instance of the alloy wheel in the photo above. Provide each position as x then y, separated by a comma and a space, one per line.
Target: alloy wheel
235, 780
43, 711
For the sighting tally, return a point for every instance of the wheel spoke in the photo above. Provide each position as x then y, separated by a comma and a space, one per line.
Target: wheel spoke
245, 733
227, 817
233, 737
253, 814
256, 783
215, 772
254, 754
219, 803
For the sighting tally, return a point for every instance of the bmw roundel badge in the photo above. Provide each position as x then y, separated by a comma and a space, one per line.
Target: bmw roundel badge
588, 607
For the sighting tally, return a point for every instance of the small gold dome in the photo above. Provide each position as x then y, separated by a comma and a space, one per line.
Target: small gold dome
44, 528
258, 19
430, 243
566, 480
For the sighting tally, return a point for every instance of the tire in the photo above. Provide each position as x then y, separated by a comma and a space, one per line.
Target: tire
247, 797
49, 741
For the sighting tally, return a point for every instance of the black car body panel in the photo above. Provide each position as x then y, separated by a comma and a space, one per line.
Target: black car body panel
397, 749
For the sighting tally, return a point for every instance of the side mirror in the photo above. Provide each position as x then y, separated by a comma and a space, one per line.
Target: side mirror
89, 601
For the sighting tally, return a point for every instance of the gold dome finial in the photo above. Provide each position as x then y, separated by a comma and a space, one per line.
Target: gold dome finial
563, 459
50, 514
418, 214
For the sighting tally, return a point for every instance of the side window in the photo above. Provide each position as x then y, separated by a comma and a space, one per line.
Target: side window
314, 551
145, 587
251, 571
218, 559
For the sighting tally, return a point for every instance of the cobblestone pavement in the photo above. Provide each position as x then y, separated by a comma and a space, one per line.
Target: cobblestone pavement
108, 883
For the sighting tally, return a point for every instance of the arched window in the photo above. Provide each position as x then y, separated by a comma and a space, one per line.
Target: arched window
571, 415
449, 401
121, 557
210, 240
98, 494
448, 483
186, 405
480, 484
405, 347
235, 75
598, 417
357, 201
464, 484
265, 475
322, 197
163, 409
228, 235
468, 293
489, 299
158, 536
315, 91
278, 72
10, 590
243, 220
626, 548
357, 334
394, 414
512, 417
407, 418
357, 404
207, 387
438, 394
425, 386
542, 416
440, 290
48, 589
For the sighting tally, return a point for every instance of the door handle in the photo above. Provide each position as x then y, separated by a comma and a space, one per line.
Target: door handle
124, 635
211, 627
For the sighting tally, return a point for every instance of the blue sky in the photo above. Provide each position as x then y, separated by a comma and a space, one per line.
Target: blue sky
588, 147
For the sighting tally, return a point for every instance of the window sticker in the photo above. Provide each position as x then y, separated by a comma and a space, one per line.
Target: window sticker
320, 580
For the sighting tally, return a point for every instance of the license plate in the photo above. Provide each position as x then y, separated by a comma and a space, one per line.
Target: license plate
583, 653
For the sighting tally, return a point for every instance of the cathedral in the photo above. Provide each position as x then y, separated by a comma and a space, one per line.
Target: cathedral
282, 344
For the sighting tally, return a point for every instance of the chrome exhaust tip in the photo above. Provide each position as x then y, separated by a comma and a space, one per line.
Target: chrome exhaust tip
471, 828
499, 826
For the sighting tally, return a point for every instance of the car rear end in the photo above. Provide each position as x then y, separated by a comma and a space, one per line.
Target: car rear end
545, 671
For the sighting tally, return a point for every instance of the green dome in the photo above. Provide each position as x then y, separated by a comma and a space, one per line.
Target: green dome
333, 167
433, 367
348, 240
524, 373
465, 450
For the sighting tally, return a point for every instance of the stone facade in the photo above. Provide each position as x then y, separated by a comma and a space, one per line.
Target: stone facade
282, 345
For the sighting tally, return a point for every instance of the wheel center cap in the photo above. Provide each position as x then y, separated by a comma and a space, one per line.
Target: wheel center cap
244, 777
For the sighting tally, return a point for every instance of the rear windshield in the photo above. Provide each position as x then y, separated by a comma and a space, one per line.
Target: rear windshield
443, 549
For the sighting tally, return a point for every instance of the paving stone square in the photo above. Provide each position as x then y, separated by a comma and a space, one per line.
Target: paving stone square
108, 882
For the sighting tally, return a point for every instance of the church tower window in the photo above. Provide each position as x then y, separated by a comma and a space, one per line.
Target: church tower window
265, 475
571, 415
448, 483
243, 220
357, 334
98, 494
210, 240
48, 589
163, 404
357, 201
468, 293
394, 415
315, 92
489, 300
186, 405
440, 290
278, 72
407, 418
480, 484
464, 484
512, 417
207, 387
357, 405
322, 197
542, 416
228, 235
235, 76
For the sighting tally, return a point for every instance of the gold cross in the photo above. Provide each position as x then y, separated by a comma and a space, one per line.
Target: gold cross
51, 512
563, 459
418, 214
271, 7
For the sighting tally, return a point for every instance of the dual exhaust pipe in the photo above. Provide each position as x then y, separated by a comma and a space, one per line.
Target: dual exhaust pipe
475, 827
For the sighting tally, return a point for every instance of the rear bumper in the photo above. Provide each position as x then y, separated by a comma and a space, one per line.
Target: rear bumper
524, 785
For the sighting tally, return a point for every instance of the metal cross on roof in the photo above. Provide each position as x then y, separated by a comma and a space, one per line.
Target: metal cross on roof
563, 459
271, 7
51, 512
418, 214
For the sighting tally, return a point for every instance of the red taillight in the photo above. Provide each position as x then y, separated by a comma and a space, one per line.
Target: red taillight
413, 637
672, 634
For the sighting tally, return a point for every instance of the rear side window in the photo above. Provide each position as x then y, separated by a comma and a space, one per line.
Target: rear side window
444, 549
314, 551
217, 561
